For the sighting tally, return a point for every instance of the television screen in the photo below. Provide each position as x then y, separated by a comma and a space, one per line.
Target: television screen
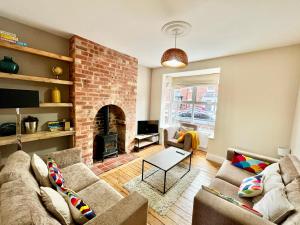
148, 126
14, 98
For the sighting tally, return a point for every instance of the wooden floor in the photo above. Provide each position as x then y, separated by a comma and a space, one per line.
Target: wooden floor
181, 212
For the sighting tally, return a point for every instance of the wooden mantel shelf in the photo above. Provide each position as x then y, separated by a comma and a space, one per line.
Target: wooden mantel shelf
49, 104
34, 78
41, 135
36, 51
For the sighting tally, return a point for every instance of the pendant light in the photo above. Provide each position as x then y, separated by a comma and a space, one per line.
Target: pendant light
175, 57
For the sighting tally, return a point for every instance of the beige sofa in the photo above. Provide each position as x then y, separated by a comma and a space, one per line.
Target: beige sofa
210, 209
169, 139
21, 205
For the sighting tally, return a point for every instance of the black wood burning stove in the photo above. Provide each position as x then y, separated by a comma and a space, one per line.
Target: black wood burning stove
106, 143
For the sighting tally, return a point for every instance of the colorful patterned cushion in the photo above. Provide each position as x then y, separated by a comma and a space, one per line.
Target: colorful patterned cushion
55, 174
80, 211
251, 186
248, 163
232, 200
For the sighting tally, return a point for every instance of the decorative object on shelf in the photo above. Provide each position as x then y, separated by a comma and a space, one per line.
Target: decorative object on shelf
55, 126
283, 151
66, 125
61, 125
57, 71
13, 98
7, 65
56, 97
7, 129
175, 57
30, 124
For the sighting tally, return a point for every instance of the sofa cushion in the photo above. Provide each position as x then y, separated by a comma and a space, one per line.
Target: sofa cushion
229, 190
56, 205
65, 157
40, 170
293, 194
100, 196
78, 176
55, 174
232, 174
289, 168
173, 142
21, 205
274, 206
251, 187
18, 167
80, 210
247, 163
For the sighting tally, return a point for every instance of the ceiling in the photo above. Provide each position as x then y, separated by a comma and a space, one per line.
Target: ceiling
219, 27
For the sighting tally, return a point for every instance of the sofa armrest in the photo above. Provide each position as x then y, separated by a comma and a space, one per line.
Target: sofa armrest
131, 210
210, 209
65, 157
230, 153
166, 137
187, 144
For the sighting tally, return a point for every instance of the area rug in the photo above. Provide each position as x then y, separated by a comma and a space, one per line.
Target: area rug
158, 201
111, 163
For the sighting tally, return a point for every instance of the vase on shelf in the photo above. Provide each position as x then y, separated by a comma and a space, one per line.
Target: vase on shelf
7, 65
30, 127
56, 97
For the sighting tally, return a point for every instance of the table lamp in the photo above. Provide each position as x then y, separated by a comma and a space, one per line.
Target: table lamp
14, 98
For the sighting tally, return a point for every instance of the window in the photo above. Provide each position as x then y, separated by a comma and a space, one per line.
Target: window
193, 104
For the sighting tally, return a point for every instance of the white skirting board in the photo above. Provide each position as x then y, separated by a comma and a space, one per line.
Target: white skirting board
215, 158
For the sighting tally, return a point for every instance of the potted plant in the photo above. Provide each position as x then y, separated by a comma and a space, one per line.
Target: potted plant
30, 124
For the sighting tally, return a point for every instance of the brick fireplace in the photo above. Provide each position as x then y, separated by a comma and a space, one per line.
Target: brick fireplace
102, 77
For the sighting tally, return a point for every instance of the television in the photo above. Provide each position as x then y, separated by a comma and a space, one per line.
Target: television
15, 98
148, 126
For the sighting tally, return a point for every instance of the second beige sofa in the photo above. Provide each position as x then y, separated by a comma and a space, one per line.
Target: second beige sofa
20, 202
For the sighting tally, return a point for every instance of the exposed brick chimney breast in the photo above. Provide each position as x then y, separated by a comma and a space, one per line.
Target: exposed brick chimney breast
102, 76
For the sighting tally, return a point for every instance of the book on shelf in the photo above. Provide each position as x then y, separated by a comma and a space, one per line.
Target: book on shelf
8, 40
9, 37
8, 33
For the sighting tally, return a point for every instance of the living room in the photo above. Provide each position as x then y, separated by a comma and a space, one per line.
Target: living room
150, 112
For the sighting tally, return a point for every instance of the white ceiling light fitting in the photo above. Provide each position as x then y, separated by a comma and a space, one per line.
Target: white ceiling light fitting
175, 57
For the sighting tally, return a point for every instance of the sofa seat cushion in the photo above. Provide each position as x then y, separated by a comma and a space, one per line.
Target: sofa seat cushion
100, 196
232, 174
18, 167
293, 194
173, 142
289, 168
21, 205
229, 190
78, 176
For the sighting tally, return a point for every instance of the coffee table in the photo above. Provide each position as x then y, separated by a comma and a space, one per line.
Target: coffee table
166, 160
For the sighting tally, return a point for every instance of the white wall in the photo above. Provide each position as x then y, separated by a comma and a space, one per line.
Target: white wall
143, 93
295, 140
257, 99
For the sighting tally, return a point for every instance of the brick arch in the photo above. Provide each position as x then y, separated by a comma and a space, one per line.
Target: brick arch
101, 76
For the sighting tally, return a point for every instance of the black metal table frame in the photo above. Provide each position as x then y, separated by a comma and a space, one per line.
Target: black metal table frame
165, 171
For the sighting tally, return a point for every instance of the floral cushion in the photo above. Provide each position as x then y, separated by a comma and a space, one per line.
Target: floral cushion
80, 211
251, 186
248, 163
55, 174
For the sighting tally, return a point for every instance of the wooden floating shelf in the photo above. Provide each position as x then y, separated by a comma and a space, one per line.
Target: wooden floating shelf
41, 135
34, 78
48, 105
36, 51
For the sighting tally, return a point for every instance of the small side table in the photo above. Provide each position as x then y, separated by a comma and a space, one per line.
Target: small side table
144, 140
